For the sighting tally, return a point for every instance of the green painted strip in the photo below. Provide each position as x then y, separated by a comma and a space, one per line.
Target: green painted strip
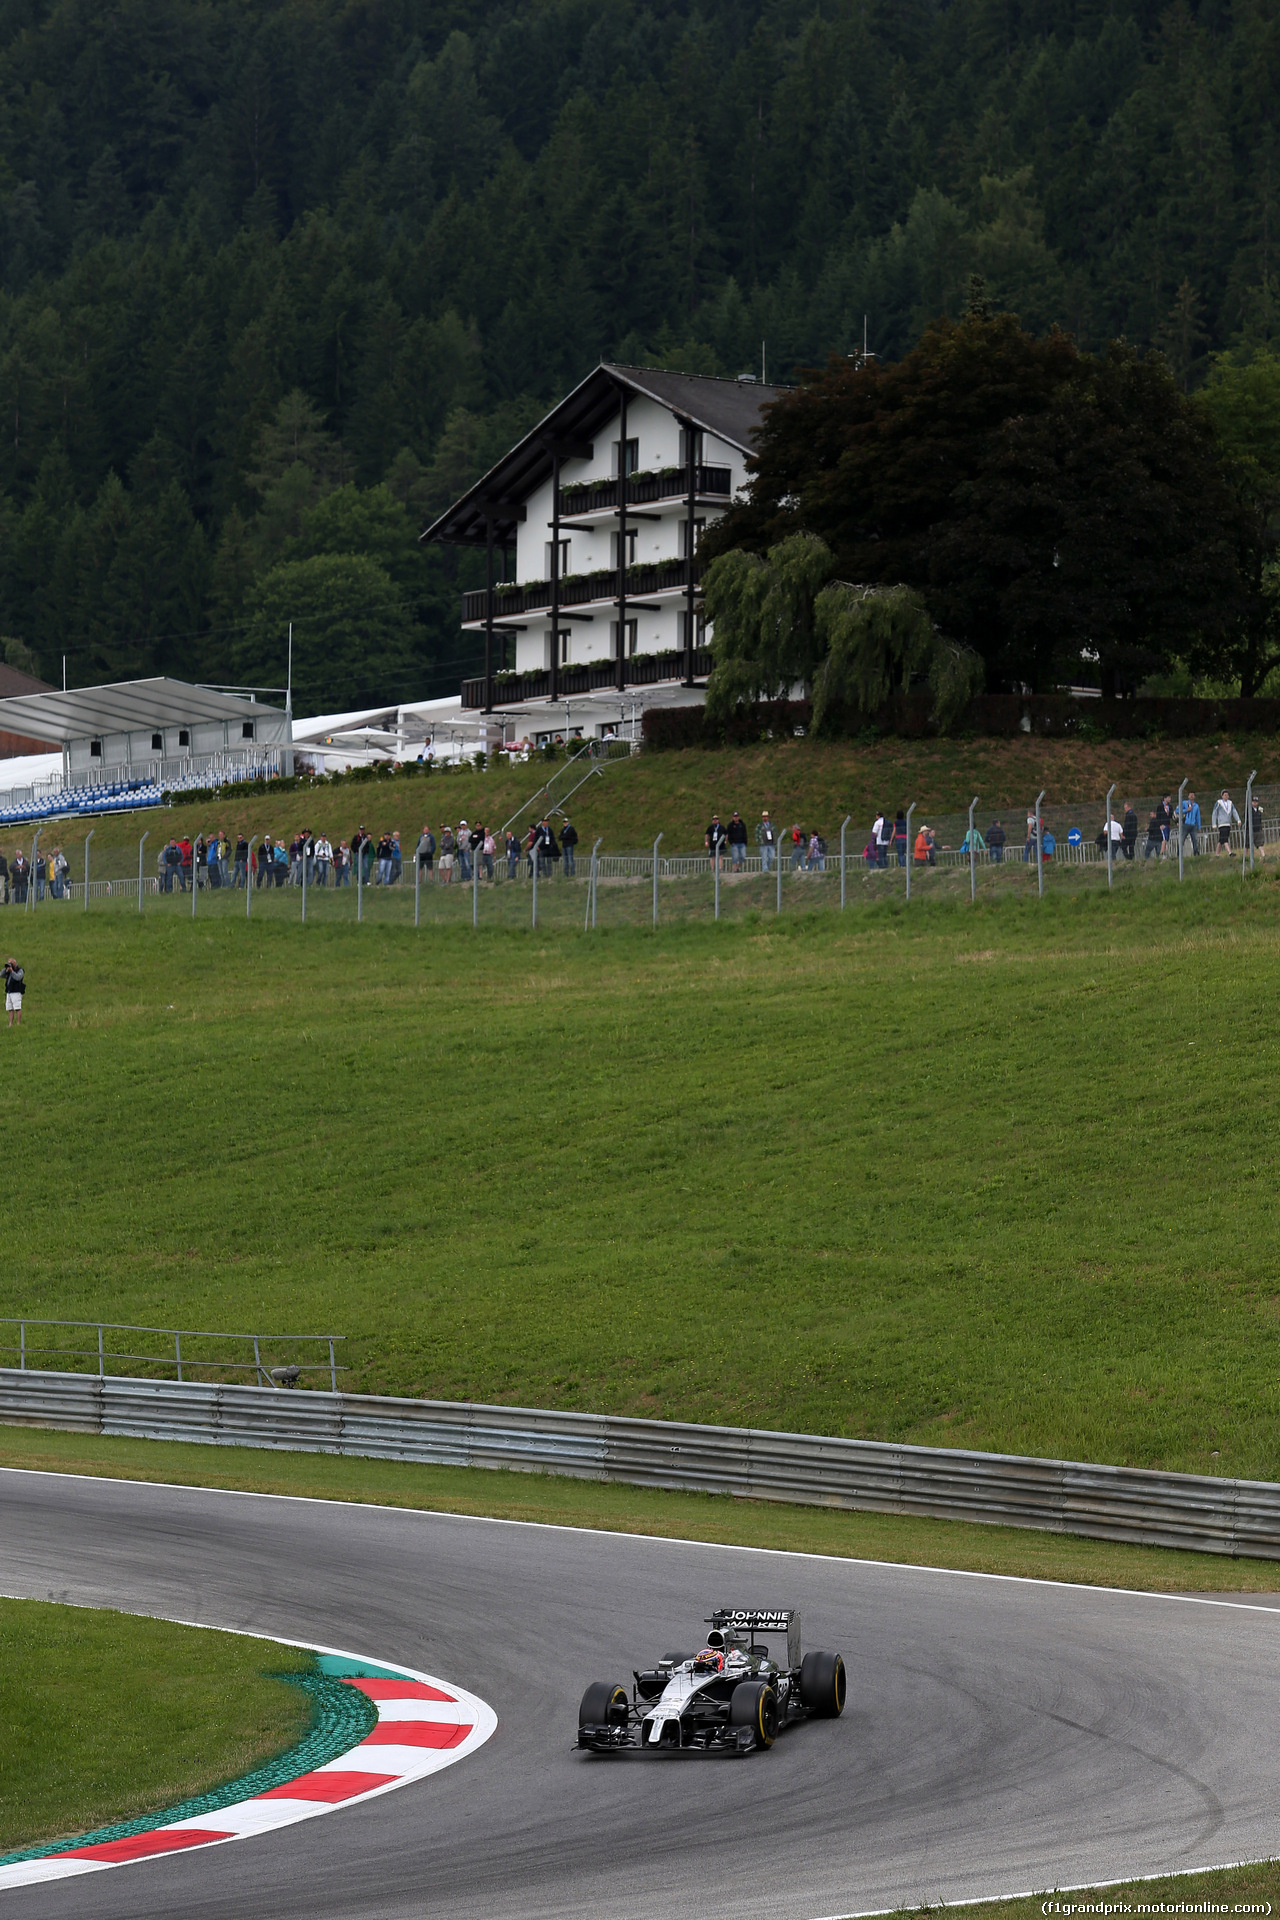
344, 1669
342, 1718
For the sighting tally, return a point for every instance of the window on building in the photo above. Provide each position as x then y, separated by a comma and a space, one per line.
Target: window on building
95, 749
246, 729
698, 529
615, 546
184, 737
157, 743
684, 448
548, 554
562, 639
699, 630
632, 458
633, 634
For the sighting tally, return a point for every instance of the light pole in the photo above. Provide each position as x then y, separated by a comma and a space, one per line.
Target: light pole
141, 844
88, 837
1110, 790
657, 843
973, 859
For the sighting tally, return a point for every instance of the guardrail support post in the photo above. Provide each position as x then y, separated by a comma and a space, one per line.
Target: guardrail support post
1110, 790
102, 1371
1178, 817
88, 837
333, 1370
22, 1345
177, 1352
141, 844
910, 810
1247, 847
1039, 846
657, 843
973, 858
843, 824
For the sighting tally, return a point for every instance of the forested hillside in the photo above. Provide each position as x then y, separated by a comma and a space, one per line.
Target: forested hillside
279, 280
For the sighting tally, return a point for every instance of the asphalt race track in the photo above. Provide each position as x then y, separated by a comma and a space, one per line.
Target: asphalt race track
1000, 1735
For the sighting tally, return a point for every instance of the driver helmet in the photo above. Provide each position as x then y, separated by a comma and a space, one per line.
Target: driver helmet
710, 1660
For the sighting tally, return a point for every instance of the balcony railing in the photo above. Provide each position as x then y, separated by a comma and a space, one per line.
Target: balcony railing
580, 589
596, 676
670, 483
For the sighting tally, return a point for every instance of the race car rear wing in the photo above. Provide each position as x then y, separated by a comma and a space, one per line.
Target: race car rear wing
766, 1620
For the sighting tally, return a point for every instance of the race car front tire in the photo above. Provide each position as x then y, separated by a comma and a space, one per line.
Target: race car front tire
755, 1705
822, 1685
603, 1705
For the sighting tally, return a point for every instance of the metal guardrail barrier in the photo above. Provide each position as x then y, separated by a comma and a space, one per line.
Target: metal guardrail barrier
1239, 1517
107, 1356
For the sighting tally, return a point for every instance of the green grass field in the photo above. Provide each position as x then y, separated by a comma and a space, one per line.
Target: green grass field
105, 1716
999, 1177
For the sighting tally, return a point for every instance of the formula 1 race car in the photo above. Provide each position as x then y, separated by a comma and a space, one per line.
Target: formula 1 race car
730, 1698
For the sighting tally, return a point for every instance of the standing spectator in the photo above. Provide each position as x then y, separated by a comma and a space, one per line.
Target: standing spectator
262, 855
280, 864
1255, 822
324, 856
4, 881
1029, 849
358, 839
463, 839
198, 858
170, 862
40, 873
185, 863
1164, 820
61, 868
446, 856
900, 836
766, 840
877, 829
367, 852
550, 848
817, 853
397, 858
20, 873
241, 875
979, 844
15, 985
342, 865
224, 848
1153, 842
997, 840
1190, 826
714, 838
425, 851
884, 839
921, 851
1130, 829
568, 841
384, 861
737, 835
308, 854
213, 863
488, 847
799, 841
1224, 818
511, 847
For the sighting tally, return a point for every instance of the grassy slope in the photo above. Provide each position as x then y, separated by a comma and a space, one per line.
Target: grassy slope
999, 1178
675, 793
105, 1716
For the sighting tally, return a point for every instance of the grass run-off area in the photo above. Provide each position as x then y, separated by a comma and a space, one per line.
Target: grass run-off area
1000, 1177
105, 1716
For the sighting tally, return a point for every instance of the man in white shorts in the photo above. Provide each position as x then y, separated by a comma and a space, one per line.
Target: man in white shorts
15, 985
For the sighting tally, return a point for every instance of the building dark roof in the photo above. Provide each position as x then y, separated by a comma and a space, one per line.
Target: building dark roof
14, 683
728, 408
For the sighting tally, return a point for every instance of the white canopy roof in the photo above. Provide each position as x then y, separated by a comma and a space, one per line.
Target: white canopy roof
125, 706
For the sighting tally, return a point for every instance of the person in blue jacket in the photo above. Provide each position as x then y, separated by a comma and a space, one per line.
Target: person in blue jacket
1190, 827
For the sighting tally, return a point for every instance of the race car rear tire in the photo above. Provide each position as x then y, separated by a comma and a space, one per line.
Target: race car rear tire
822, 1685
603, 1705
755, 1705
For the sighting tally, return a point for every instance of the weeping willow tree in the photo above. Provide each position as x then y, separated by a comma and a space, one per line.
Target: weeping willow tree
781, 621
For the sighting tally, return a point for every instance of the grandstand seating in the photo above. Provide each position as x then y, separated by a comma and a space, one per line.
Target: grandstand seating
117, 796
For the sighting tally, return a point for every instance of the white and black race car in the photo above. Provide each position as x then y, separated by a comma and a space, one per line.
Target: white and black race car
732, 1697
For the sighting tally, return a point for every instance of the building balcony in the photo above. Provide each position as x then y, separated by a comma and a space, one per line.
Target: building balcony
581, 590
668, 483
597, 676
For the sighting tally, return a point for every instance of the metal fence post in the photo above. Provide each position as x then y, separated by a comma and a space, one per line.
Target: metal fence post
31, 888
657, 843
1110, 790
843, 824
248, 879
973, 859
195, 878
476, 853
359, 883
1248, 824
1039, 846
141, 844
417, 887
88, 837
715, 863
304, 880
779, 867
535, 861
910, 810
1178, 817
595, 880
